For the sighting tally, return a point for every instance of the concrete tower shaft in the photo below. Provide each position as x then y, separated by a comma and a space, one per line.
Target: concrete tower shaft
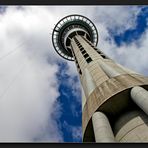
107, 88
114, 107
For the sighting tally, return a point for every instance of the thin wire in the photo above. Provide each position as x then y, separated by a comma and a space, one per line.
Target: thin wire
12, 51
16, 76
10, 84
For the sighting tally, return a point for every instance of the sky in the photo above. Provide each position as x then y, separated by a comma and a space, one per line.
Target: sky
40, 92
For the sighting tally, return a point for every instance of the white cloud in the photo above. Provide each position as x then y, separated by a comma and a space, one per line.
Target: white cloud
117, 18
134, 55
29, 86
127, 54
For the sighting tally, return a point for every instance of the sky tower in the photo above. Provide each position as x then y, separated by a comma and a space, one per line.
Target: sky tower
115, 104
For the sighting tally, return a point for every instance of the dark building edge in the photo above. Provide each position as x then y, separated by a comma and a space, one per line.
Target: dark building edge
73, 2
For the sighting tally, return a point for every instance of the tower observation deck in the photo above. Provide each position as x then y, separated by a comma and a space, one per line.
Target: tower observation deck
115, 100
67, 28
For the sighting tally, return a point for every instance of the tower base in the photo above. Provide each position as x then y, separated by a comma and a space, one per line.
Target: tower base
132, 127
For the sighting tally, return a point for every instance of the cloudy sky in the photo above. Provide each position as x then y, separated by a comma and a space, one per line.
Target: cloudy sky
40, 93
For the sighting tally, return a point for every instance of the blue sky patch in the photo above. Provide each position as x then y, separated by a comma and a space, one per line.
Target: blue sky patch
71, 113
131, 35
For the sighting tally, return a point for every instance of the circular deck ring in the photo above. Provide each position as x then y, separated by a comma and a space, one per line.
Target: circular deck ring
66, 23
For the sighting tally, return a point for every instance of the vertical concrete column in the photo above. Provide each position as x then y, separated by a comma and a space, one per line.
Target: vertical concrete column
83, 98
140, 97
127, 70
89, 82
102, 128
108, 70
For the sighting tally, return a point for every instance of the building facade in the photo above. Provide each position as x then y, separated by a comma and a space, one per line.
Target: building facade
115, 100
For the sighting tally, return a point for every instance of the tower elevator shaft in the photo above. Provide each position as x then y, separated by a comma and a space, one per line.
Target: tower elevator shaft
114, 107
115, 100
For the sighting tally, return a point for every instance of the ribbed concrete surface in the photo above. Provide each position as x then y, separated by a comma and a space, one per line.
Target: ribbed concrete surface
102, 128
110, 97
106, 84
140, 97
132, 127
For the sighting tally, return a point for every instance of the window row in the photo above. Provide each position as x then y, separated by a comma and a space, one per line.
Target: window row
78, 67
83, 51
100, 53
